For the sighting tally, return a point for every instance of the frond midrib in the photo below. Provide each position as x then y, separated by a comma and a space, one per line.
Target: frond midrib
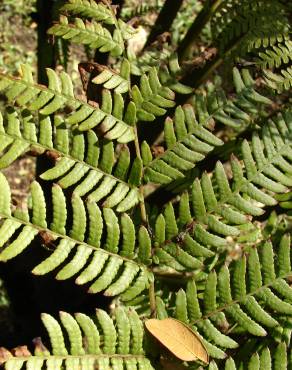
75, 241
87, 31
201, 124
224, 199
64, 155
235, 301
87, 355
60, 95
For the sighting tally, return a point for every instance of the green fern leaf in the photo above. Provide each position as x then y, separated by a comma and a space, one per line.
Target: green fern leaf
83, 162
84, 348
188, 136
218, 211
59, 94
111, 268
257, 309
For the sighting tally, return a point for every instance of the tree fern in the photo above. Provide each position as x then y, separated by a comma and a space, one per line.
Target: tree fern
170, 195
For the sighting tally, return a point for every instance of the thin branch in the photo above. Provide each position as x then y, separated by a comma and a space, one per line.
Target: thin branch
194, 31
164, 19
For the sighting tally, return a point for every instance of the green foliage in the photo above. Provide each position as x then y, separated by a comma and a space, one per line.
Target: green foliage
261, 28
78, 156
109, 243
250, 294
104, 343
168, 193
266, 358
214, 215
59, 95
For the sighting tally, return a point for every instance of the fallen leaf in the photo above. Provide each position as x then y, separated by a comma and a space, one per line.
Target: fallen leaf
179, 339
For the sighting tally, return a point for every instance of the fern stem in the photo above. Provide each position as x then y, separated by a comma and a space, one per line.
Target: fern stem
57, 235
142, 203
194, 31
152, 299
200, 75
164, 19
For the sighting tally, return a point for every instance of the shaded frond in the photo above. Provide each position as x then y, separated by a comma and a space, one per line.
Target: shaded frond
170, 73
277, 59
151, 57
80, 341
279, 81
59, 94
250, 295
140, 10
97, 244
188, 137
214, 215
285, 201
276, 55
241, 27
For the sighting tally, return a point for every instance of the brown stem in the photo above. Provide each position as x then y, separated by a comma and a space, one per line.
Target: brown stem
194, 31
164, 19
199, 75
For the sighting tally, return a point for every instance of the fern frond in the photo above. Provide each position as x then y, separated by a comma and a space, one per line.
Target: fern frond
59, 94
187, 143
100, 243
113, 80
90, 9
83, 161
102, 342
267, 358
285, 201
278, 59
170, 74
151, 57
188, 138
250, 294
279, 81
276, 55
151, 98
92, 34
97, 12
214, 215
247, 25
140, 10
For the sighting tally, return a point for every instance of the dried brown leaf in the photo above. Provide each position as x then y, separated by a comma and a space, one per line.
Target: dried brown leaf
178, 338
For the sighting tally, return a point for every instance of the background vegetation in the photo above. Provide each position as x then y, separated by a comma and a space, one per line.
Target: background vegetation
231, 62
